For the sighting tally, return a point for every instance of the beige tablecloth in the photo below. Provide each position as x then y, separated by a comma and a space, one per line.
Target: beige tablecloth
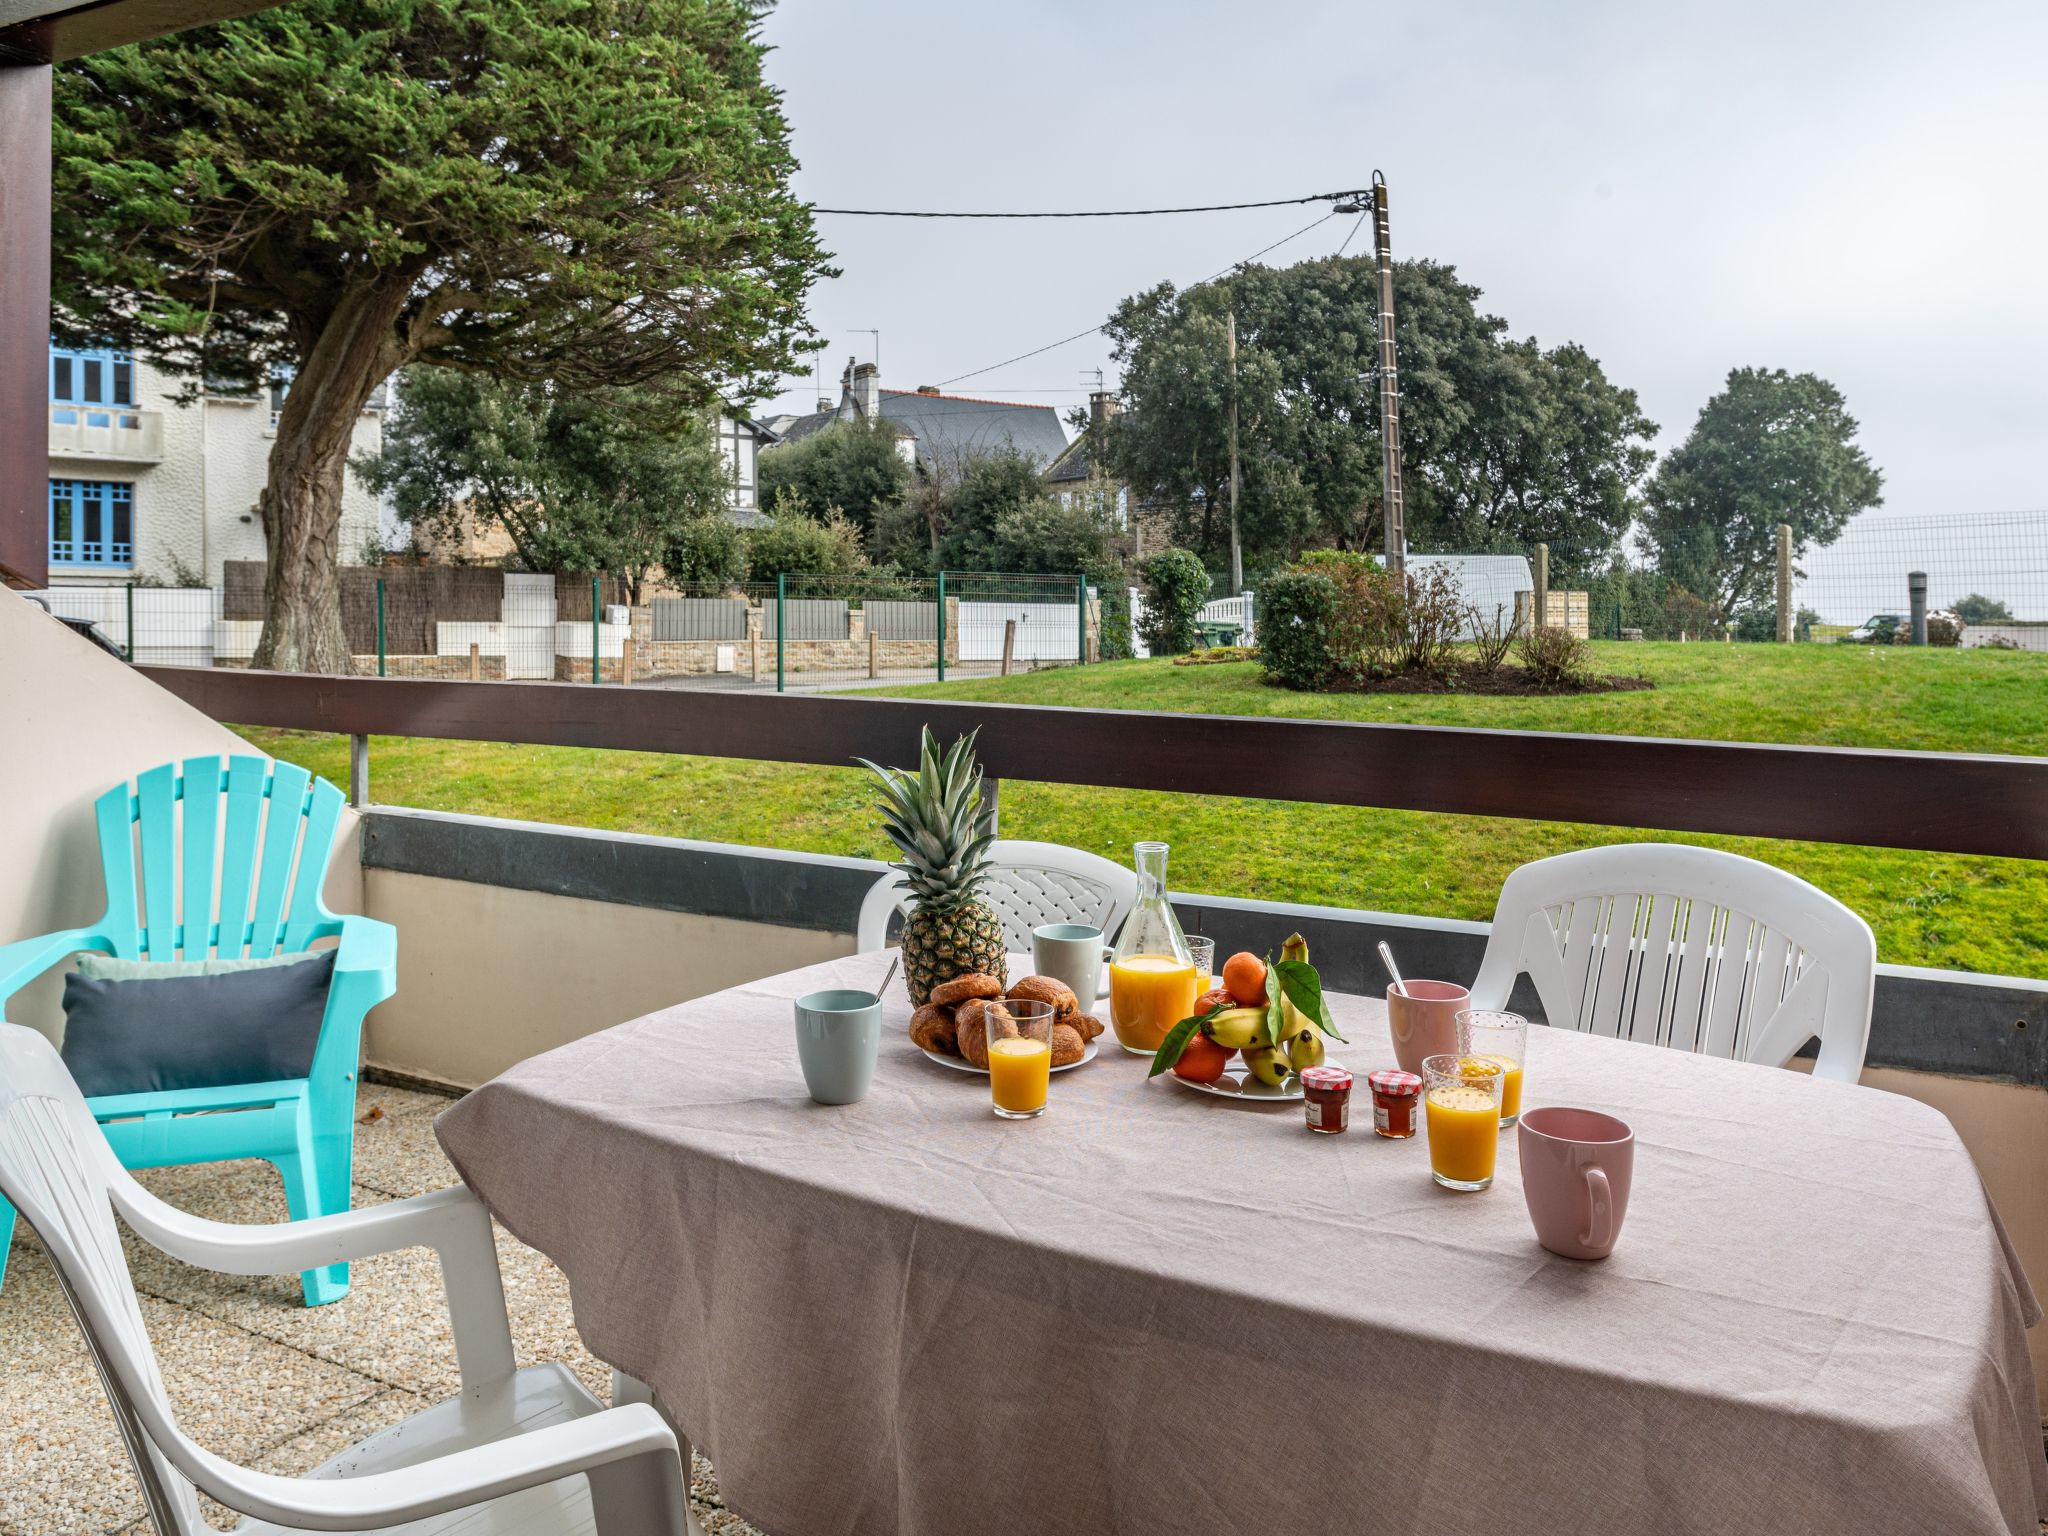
1156, 1311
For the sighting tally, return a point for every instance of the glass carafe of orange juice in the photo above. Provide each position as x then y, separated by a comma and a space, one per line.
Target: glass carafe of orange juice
1151, 973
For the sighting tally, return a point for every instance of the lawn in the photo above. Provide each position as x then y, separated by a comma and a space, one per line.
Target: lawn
1964, 913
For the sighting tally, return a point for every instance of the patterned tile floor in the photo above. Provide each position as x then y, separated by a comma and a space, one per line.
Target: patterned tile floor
252, 1373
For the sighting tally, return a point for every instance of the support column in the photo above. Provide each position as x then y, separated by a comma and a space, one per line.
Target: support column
25, 317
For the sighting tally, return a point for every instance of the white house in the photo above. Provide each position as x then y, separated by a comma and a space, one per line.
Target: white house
141, 486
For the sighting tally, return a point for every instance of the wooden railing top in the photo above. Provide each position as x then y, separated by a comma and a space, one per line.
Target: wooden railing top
1936, 801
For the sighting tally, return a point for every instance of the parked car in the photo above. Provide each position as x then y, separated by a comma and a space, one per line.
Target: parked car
1878, 629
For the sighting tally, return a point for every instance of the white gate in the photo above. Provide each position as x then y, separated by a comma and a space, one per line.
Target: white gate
529, 626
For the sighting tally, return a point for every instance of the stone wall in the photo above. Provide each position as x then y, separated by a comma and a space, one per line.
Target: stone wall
754, 657
448, 668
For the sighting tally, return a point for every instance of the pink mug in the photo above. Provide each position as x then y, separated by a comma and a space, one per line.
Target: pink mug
1576, 1166
1422, 1016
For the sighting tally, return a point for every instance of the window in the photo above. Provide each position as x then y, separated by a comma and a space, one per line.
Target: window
92, 522
280, 386
91, 378
737, 444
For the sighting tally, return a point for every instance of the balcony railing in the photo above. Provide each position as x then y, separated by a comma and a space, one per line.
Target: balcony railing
118, 433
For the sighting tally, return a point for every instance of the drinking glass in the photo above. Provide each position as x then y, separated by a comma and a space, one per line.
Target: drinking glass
1203, 952
1501, 1037
1020, 1065
1461, 1104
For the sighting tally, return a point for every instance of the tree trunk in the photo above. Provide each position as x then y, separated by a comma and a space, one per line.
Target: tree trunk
300, 506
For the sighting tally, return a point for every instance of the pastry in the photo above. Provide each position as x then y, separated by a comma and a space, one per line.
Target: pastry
1046, 989
961, 988
1068, 1046
933, 1029
974, 1021
1088, 1025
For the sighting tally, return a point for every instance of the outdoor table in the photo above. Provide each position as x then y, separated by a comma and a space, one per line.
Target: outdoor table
1153, 1310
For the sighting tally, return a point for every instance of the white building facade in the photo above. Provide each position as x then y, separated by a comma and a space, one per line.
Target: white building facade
145, 488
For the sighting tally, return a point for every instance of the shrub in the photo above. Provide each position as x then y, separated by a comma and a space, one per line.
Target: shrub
1555, 658
1176, 588
1368, 627
1686, 615
2001, 643
1299, 616
1430, 613
797, 544
1758, 624
709, 552
1493, 636
1943, 628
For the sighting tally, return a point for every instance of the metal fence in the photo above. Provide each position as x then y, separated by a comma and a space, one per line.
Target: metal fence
1988, 569
798, 633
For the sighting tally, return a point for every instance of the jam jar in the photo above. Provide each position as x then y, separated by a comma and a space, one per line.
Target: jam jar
1326, 1095
1395, 1095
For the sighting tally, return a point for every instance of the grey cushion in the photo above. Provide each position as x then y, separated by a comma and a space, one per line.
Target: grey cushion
168, 1033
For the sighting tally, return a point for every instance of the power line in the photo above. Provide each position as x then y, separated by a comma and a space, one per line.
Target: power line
1093, 329
1096, 213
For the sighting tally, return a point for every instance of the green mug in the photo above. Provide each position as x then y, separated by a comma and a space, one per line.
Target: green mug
838, 1037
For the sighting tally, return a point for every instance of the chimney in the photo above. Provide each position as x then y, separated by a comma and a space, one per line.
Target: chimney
1101, 406
927, 389
825, 406
867, 390
847, 407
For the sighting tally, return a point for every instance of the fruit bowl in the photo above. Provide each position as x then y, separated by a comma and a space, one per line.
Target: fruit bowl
1237, 1083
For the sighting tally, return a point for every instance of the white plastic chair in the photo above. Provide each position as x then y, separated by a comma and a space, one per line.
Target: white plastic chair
519, 1453
1029, 885
1687, 947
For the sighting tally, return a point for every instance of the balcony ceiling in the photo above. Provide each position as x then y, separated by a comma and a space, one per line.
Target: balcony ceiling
40, 31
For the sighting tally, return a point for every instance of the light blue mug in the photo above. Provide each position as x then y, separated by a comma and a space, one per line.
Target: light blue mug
838, 1037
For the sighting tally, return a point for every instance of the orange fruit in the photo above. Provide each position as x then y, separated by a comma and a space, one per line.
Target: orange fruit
1244, 978
1201, 1060
1214, 999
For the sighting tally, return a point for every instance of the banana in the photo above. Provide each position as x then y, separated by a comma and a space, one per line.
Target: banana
1235, 1028
1268, 1064
1305, 1049
1293, 1020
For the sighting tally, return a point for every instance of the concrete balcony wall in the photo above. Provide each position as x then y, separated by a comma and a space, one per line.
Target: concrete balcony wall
116, 433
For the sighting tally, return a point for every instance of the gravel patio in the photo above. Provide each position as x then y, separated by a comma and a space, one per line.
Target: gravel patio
254, 1374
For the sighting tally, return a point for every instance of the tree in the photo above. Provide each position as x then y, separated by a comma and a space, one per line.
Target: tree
1772, 447
585, 482
852, 465
1501, 441
1979, 609
589, 192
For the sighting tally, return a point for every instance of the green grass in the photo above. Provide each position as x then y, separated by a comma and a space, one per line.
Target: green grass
1940, 910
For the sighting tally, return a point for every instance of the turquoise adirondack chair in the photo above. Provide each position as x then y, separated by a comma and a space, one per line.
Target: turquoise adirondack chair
305, 1126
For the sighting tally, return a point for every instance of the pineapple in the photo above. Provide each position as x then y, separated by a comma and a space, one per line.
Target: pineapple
936, 819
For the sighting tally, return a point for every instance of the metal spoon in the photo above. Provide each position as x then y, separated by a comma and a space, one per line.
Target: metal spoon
890, 975
1393, 970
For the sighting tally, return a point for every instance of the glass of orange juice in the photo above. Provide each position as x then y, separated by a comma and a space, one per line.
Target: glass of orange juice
1501, 1037
1203, 952
1020, 1065
1461, 1104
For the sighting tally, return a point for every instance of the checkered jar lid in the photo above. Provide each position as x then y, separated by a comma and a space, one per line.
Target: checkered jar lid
1394, 1083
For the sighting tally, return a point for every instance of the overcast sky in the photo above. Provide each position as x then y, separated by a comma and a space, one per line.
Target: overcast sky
1854, 190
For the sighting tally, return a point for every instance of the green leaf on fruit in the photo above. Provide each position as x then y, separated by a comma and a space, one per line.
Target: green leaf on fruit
1276, 1017
1302, 987
1176, 1041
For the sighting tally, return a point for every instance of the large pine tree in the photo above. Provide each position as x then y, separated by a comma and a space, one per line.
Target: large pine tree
589, 191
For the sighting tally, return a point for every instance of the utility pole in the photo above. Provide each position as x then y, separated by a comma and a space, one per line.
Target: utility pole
1390, 391
1236, 545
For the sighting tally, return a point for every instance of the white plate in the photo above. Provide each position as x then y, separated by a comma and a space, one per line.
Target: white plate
961, 1064
1236, 1083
